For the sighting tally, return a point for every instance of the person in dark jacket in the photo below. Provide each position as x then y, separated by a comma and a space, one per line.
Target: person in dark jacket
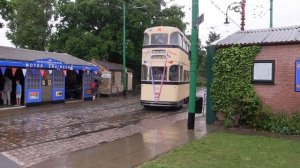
7, 91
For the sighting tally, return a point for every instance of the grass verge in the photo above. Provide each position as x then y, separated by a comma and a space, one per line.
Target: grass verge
228, 150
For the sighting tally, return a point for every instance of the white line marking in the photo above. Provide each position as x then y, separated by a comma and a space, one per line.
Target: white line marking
12, 158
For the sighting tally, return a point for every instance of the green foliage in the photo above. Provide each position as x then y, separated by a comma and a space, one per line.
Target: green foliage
28, 23
282, 123
212, 37
228, 122
93, 28
232, 91
5, 8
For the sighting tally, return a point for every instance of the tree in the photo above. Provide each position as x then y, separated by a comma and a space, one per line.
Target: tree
93, 28
29, 23
212, 37
4, 9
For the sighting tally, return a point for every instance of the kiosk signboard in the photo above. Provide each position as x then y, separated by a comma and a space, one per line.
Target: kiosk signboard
297, 76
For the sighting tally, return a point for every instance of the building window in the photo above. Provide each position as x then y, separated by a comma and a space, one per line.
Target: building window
58, 79
263, 72
33, 79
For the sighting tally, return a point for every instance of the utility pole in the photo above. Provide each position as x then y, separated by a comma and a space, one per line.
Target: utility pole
193, 70
124, 50
271, 13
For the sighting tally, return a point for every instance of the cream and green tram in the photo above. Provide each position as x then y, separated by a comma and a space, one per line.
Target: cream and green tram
165, 67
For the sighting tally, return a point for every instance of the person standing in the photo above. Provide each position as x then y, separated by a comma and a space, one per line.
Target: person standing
94, 89
18, 93
6, 91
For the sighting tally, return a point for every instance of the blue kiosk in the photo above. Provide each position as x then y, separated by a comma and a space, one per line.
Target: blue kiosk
44, 75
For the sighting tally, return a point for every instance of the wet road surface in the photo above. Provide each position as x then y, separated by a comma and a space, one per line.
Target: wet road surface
31, 135
130, 151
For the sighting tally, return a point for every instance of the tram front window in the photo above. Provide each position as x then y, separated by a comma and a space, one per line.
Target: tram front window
159, 39
157, 73
174, 73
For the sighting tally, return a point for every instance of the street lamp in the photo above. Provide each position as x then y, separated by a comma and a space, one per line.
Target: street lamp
124, 50
238, 7
124, 46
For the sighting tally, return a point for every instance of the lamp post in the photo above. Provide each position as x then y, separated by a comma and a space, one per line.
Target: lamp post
271, 13
124, 50
240, 8
124, 46
193, 71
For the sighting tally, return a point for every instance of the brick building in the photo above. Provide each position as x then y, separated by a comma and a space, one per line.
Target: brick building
276, 69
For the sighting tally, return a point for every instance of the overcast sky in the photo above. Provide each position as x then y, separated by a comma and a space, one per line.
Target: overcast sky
286, 13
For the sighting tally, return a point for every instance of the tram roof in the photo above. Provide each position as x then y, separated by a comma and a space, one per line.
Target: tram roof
17, 54
163, 28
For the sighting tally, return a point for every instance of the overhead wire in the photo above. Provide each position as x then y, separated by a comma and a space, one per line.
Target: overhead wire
220, 10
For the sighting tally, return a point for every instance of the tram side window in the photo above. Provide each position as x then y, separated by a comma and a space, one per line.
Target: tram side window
186, 75
174, 38
157, 73
180, 40
184, 46
146, 39
181, 73
174, 73
144, 72
159, 39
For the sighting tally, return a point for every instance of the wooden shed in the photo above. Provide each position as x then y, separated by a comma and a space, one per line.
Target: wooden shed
111, 78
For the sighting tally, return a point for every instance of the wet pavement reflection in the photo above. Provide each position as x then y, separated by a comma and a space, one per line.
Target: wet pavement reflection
130, 151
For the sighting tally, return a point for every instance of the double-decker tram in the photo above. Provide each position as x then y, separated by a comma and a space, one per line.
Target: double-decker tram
165, 67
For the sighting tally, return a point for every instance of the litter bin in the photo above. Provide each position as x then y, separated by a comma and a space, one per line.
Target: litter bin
199, 104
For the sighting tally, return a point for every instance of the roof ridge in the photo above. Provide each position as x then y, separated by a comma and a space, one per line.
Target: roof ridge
36, 51
270, 29
278, 35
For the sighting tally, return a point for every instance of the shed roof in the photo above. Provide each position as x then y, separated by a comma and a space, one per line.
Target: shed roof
17, 54
281, 35
111, 66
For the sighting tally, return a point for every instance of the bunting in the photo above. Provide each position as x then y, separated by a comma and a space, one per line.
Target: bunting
42, 72
3, 69
50, 71
14, 70
65, 72
24, 72
77, 71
